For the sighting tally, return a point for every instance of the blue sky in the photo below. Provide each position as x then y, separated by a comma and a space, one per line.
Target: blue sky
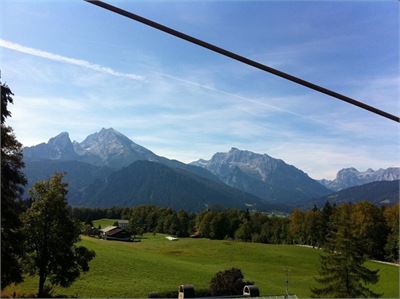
76, 67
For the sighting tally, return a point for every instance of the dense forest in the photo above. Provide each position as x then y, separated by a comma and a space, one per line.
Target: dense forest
378, 227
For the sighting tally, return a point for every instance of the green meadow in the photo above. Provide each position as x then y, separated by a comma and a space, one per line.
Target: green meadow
122, 269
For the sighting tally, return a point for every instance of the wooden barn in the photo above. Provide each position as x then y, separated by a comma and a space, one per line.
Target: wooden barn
115, 233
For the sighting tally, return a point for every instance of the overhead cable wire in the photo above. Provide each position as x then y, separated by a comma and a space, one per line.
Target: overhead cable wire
243, 59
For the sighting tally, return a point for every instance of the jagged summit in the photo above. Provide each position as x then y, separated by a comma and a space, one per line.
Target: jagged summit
107, 147
62, 135
58, 147
113, 148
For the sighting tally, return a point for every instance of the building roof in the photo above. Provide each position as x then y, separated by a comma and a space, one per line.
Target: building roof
114, 231
108, 228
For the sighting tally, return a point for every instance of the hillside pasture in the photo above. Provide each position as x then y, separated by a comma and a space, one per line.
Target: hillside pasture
155, 264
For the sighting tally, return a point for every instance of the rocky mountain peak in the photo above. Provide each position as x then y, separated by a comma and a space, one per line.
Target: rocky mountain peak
106, 141
349, 177
57, 148
261, 175
107, 147
111, 132
61, 139
348, 170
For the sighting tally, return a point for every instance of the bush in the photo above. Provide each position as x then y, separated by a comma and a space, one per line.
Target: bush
228, 282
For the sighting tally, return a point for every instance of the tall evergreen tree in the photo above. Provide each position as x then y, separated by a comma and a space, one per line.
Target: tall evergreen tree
51, 234
12, 181
326, 214
342, 273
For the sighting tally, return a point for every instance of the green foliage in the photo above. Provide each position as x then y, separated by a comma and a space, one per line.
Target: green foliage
244, 231
391, 215
162, 220
50, 236
313, 224
366, 220
342, 273
12, 181
368, 223
228, 282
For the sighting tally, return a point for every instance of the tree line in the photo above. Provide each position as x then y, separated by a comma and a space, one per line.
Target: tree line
378, 227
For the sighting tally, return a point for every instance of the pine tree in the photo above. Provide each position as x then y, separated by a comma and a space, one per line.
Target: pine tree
326, 214
342, 274
12, 181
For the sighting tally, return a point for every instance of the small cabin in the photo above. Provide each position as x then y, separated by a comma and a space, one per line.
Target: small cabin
115, 233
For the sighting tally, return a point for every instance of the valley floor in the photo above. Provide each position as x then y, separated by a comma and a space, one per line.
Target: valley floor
122, 269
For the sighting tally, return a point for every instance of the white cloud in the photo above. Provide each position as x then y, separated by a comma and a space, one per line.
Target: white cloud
68, 60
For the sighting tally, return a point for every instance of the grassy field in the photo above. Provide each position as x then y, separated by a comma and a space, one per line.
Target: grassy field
104, 222
155, 264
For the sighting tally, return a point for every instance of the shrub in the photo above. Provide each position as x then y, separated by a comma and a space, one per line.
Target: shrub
228, 282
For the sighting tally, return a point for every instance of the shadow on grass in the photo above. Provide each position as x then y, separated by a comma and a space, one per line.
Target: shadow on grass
48, 292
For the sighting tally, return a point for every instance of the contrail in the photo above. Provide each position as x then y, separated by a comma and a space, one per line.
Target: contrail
68, 60
110, 71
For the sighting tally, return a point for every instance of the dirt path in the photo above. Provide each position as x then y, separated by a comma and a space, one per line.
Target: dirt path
376, 261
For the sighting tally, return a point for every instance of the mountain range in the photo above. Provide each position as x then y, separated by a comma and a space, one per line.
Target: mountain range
106, 148
108, 169
349, 177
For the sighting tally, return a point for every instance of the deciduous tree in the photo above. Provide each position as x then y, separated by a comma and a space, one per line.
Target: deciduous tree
51, 236
228, 282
